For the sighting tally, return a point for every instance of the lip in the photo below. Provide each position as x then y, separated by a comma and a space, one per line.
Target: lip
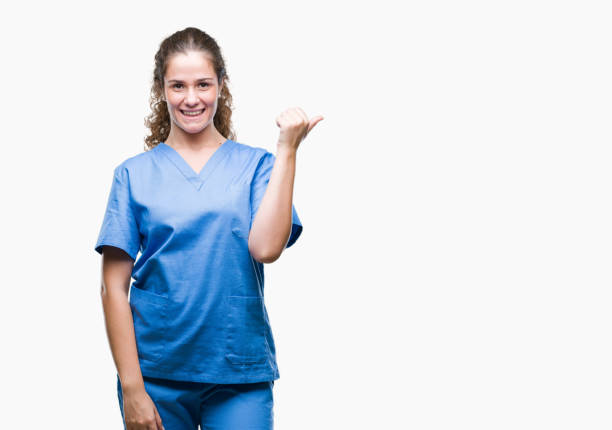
192, 116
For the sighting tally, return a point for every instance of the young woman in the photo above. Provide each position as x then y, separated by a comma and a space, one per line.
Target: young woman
192, 344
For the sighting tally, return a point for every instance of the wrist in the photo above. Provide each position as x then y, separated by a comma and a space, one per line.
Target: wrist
132, 389
286, 151
132, 384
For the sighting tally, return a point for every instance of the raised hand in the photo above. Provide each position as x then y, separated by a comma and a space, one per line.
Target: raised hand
294, 127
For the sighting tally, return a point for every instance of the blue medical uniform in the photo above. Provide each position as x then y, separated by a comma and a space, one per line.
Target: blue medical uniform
197, 297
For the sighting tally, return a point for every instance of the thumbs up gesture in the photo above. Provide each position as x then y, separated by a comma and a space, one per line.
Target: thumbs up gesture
294, 127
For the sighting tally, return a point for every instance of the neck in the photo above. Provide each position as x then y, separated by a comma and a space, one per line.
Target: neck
207, 138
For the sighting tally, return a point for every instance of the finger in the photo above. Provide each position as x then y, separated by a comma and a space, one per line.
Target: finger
287, 112
302, 114
294, 116
158, 420
286, 116
281, 119
299, 113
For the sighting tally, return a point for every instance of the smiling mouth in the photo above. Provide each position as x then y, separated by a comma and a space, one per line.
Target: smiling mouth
192, 114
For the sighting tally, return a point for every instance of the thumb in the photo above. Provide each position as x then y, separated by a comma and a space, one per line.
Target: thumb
313, 122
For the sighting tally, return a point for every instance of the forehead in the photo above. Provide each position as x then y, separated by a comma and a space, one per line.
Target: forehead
192, 65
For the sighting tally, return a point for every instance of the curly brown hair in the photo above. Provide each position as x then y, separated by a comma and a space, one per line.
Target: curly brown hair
189, 39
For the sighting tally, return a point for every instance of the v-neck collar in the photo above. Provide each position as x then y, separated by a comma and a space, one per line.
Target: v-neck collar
196, 179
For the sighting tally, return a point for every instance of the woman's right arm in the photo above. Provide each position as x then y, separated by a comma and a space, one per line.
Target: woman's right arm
139, 410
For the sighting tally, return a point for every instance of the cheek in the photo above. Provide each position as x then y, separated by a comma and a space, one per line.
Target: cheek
210, 99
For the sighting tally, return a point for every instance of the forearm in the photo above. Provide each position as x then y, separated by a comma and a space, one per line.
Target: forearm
120, 331
272, 223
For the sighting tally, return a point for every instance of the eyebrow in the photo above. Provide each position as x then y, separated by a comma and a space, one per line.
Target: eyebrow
201, 79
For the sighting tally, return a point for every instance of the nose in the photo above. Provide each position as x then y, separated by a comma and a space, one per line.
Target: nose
192, 97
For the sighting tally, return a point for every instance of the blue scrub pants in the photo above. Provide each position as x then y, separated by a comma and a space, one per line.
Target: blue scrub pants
184, 405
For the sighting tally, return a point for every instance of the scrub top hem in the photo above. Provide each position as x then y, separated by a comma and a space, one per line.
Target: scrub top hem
191, 377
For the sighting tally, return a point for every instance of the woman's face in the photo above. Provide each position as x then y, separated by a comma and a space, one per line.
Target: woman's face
190, 91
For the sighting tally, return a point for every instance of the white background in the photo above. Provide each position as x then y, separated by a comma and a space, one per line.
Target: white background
453, 271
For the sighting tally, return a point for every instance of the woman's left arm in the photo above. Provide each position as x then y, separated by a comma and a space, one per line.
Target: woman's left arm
271, 227
272, 223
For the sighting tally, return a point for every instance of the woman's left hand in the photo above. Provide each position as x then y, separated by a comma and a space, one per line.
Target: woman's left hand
294, 127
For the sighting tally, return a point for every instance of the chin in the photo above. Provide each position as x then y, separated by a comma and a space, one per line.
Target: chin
192, 129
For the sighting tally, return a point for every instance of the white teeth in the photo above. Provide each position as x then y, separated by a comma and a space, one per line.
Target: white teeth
193, 113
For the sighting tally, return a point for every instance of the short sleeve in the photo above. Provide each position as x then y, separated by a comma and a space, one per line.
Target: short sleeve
119, 226
258, 189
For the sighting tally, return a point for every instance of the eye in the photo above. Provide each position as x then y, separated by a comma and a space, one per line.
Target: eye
204, 83
174, 86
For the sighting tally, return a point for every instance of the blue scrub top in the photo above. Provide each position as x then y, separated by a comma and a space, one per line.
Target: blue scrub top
197, 298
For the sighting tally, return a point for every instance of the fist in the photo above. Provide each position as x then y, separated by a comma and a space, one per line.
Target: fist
294, 126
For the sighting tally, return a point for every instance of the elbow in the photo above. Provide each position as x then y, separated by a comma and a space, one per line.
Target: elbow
268, 260
266, 257
265, 252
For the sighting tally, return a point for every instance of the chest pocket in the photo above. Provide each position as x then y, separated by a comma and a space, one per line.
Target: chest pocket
246, 330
